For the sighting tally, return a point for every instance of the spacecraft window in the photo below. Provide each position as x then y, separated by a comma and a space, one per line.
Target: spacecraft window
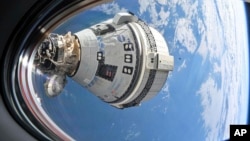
107, 71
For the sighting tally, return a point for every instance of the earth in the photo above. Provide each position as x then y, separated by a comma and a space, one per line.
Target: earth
205, 93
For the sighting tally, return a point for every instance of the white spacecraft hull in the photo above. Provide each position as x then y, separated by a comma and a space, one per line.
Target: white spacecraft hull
123, 61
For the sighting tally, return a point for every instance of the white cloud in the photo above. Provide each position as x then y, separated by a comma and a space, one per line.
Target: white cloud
189, 7
184, 35
165, 88
212, 102
203, 49
212, 42
132, 133
214, 99
182, 66
159, 19
163, 17
165, 92
181, 51
162, 2
222, 102
144, 5
110, 8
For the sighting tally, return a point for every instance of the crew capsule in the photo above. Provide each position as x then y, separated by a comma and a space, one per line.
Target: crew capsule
123, 61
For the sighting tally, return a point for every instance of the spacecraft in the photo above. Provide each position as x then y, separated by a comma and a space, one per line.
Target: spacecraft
123, 61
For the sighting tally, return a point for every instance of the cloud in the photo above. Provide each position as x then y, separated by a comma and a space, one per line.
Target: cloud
222, 45
165, 92
132, 133
182, 66
184, 35
144, 5
159, 18
212, 42
165, 88
162, 2
212, 103
110, 8
220, 104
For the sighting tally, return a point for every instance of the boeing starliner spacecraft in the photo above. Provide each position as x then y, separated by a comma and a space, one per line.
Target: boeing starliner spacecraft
123, 61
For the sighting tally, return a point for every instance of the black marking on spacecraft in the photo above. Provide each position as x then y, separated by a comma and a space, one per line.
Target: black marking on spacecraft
128, 58
99, 56
128, 46
127, 70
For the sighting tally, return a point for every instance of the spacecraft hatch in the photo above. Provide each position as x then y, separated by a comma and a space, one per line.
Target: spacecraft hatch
123, 61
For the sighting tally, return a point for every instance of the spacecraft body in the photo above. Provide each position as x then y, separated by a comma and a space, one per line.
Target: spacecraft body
122, 61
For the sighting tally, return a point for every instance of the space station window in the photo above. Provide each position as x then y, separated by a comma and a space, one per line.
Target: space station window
111, 61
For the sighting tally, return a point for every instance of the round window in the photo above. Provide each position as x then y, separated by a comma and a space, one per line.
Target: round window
131, 70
